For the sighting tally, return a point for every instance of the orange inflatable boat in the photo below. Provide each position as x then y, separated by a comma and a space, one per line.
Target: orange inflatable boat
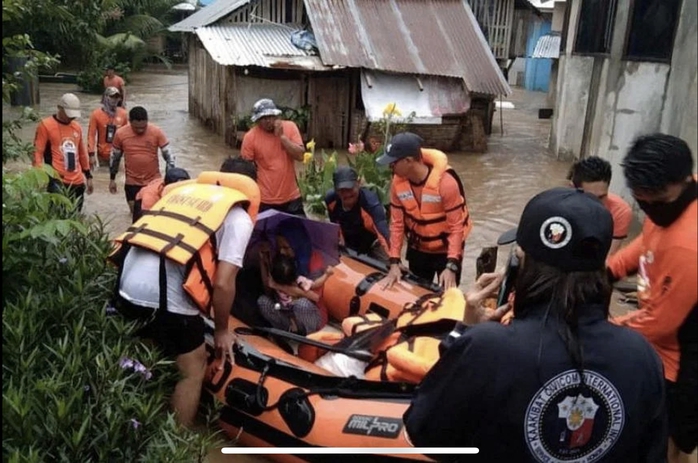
274, 397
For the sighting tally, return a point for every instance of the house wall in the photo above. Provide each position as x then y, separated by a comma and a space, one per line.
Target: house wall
209, 85
537, 70
621, 99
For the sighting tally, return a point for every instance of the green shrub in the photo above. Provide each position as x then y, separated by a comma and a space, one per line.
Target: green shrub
91, 79
71, 390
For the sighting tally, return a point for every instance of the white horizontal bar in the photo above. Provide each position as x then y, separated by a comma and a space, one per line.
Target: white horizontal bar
348, 450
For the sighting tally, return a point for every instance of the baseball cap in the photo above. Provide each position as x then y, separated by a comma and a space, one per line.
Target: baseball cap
70, 104
111, 91
402, 145
175, 174
344, 177
565, 228
262, 108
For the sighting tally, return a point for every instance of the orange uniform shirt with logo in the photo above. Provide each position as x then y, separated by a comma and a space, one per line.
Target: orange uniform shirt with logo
666, 262
622, 215
97, 130
276, 170
59, 144
141, 162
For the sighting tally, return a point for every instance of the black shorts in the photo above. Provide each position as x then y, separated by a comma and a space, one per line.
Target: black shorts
682, 406
295, 207
428, 265
174, 333
131, 191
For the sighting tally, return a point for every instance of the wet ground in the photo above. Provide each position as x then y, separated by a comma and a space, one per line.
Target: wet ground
498, 183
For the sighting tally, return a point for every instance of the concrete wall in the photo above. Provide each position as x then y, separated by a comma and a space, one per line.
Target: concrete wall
680, 114
604, 102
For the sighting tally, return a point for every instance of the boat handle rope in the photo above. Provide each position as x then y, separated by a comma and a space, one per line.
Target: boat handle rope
347, 384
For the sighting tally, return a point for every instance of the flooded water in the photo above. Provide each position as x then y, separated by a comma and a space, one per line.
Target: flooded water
498, 183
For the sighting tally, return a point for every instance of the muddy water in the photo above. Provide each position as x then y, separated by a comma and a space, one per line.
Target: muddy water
497, 183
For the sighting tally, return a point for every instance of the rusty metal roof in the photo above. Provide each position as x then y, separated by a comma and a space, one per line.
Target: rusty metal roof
433, 37
207, 15
548, 46
266, 45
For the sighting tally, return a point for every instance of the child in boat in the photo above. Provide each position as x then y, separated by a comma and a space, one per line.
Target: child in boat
291, 304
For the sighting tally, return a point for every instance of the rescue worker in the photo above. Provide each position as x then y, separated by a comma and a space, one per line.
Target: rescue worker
560, 382
427, 205
593, 175
359, 213
138, 143
658, 170
274, 146
152, 192
112, 79
58, 143
104, 122
158, 284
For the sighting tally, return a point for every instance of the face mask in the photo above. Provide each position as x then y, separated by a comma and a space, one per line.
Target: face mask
664, 214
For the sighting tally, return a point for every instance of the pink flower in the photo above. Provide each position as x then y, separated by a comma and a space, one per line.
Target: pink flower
356, 148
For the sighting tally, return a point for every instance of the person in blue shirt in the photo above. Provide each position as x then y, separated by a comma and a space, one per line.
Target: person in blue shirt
359, 213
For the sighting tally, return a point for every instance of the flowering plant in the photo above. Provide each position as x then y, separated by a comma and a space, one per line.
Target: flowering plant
316, 178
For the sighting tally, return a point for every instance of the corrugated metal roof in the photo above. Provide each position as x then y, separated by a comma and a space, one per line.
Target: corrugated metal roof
548, 46
208, 15
266, 45
433, 37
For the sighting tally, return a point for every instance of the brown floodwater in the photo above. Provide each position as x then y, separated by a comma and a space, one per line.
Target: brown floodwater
498, 183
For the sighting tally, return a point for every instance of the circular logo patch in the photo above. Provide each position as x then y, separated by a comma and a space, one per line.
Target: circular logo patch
567, 423
556, 232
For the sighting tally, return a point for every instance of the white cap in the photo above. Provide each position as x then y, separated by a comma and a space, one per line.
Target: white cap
70, 105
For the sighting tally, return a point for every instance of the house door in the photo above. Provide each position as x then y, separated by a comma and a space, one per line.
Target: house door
329, 98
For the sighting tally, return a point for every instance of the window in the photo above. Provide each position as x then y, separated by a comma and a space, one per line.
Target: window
651, 29
595, 26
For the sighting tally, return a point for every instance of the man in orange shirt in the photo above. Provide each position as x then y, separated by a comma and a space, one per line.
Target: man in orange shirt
659, 171
427, 204
58, 143
104, 122
593, 175
273, 145
138, 142
112, 79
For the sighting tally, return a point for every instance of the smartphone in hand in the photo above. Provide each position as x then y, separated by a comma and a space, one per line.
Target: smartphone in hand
509, 278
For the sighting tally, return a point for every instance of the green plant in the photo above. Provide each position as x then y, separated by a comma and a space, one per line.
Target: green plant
77, 386
316, 178
300, 116
91, 80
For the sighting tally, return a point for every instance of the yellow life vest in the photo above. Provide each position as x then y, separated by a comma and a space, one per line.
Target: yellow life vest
413, 348
181, 227
425, 224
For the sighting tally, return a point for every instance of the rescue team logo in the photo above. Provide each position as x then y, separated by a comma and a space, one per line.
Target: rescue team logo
556, 232
376, 426
565, 422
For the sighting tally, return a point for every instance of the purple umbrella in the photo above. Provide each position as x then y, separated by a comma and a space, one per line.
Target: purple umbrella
305, 236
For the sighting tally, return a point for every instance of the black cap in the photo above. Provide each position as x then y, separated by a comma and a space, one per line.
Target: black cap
175, 174
344, 177
565, 228
402, 145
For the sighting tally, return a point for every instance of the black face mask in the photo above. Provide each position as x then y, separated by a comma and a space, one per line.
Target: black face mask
664, 214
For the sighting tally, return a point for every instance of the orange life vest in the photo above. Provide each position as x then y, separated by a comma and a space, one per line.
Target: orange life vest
412, 349
181, 227
150, 194
425, 224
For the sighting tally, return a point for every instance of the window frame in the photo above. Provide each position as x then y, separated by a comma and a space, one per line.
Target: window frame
650, 59
612, 25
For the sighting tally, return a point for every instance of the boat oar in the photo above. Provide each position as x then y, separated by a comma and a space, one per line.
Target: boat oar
363, 355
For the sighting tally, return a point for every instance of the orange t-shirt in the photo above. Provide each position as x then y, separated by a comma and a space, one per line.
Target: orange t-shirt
61, 146
140, 153
276, 170
116, 81
622, 215
666, 262
97, 130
